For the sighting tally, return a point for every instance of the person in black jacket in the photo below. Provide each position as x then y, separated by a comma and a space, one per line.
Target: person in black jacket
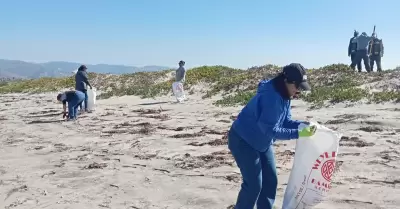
352, 50
81, 83
376, 48
74, 99
363, 41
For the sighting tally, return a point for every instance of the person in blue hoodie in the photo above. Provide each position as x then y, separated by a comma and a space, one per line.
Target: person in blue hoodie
363, 41
81, 83
265, 119
74, 99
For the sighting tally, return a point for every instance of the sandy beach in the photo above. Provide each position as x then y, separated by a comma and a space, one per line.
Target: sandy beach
157, 154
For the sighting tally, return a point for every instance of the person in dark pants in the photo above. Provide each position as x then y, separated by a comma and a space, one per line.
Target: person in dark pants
81, 83
352, 50
266, 118
362, 51
376, 48
74, 99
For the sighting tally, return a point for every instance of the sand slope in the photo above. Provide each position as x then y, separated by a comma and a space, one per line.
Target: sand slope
145, 154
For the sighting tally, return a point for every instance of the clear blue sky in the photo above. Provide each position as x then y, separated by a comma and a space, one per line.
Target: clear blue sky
201, 32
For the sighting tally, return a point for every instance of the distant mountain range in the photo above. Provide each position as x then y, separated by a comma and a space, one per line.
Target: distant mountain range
20, 69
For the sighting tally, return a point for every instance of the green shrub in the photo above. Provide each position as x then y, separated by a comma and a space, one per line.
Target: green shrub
44, 84
240, 98
385, 96
330, 84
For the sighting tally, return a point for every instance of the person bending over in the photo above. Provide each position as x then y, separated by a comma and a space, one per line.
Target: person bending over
74, 99
266, 118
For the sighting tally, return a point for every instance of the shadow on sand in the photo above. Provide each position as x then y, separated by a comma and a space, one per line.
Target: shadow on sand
45, 115
153, 103
45, 121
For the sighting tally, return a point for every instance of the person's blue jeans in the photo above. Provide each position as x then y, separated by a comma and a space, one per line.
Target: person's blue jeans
258, 171
85, 100
75, 102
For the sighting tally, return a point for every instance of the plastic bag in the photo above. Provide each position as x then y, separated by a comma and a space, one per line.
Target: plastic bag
91, 99
313, 166
177, 89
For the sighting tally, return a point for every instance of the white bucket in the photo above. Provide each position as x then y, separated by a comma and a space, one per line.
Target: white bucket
91, 99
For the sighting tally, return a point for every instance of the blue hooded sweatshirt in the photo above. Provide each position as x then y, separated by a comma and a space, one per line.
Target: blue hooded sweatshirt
266, 117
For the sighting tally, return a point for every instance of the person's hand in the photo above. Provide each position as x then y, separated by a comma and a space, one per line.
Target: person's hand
307, 131
305, 122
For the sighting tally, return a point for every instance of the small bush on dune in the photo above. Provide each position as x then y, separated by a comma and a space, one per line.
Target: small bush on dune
240, 98
335, 91
44, 84
385, 96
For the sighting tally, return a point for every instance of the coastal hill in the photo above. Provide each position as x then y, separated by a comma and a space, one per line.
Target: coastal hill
331, 84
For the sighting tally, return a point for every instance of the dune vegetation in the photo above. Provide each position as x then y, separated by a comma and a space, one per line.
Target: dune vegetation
331, 84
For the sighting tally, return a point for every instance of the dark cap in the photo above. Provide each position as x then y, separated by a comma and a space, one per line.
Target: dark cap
59, 96
181, 62
295, 73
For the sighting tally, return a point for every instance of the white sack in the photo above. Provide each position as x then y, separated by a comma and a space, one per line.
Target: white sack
314, 164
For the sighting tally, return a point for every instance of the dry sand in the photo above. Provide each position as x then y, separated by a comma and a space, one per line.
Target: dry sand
154, 153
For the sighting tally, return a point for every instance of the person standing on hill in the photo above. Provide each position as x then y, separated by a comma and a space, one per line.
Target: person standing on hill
265, 119
352, 50
181, 72
376, 48
362, 51
81, 83
180, 76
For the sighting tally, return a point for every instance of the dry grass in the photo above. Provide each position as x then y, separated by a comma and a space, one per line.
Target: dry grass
331, 84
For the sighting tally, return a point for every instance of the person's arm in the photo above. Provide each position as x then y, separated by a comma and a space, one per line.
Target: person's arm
270, 119
86, 79
382, 48
369, 47
349, 50
292, 124
64, 106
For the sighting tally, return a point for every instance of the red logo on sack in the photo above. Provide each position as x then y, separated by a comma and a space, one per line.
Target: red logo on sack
327, 169
325, 163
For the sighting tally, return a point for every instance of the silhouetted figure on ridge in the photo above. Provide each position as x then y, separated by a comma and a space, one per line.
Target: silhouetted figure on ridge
362, 51
352, 50
376, 48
